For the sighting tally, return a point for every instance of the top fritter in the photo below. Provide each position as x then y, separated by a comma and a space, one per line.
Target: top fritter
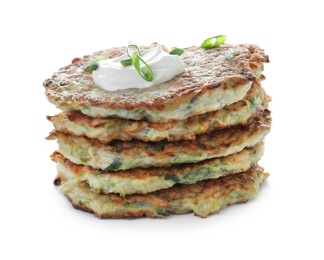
211, 80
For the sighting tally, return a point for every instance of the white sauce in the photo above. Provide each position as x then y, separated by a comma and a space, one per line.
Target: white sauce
111, 75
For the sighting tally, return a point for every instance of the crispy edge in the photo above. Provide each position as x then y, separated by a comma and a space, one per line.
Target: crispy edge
248, 57
129, 129
211, 189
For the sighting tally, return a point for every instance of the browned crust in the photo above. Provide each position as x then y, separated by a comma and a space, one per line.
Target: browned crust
200, 193
138, 173
126, 130
211, 143
118, 214
72, 87
118, 201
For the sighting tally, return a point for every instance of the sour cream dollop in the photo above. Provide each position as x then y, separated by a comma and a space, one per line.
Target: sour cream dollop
111, 75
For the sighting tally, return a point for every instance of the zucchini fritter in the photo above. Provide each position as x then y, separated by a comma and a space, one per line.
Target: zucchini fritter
210, 81
119, 155
203, 198
107, 130
147, 180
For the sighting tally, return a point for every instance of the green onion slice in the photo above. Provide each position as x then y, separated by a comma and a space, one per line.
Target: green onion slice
132, 45
147, 74
93, 65
213, 42
101, 58
176, 51
136, 60
126, 62
114, 166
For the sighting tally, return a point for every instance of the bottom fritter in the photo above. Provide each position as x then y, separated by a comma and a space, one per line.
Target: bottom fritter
202, 198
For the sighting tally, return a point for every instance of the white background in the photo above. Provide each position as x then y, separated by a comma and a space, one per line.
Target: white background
284, 222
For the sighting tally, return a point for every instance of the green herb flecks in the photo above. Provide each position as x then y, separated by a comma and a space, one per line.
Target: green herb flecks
83, 160
193, 100
199, 175
254, 101
171, 177
93, 65
176, 51
122, 192
114, 166
213, 42
162, 211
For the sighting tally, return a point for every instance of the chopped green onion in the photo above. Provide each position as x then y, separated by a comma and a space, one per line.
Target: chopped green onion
126, 63
197, 175
213, 42
93, 65
172, 177
132, 45
101, 58
147, 74
114, 166
176, 51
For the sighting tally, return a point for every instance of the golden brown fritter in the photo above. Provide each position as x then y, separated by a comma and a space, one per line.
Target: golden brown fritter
210, 81
119, 155
202, 198
142, 181
107, 130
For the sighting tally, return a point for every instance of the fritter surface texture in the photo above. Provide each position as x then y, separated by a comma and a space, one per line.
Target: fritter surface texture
203, 198
210, 82
119, 155
107, 130
142, 181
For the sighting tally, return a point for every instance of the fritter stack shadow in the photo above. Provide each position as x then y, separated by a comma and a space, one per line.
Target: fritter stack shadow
189, 145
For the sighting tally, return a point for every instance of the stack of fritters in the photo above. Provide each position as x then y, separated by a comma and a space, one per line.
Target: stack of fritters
189, 145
